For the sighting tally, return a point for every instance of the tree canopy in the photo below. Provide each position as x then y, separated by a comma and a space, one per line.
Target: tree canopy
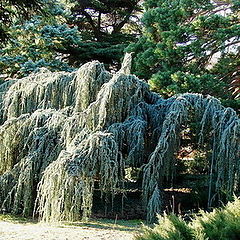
36, 43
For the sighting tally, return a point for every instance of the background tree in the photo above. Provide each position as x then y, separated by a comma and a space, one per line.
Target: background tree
106, 27
190, 46
51, 38
21, 9
35, 43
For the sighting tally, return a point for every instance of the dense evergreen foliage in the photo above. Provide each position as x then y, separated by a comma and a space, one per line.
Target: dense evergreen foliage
107, 27
36, 44
68, 34
21, 9
190, 46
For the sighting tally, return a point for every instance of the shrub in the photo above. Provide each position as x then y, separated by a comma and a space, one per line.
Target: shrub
220, 224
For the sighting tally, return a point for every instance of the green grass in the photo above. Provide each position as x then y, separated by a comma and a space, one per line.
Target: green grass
15, 219
120, 225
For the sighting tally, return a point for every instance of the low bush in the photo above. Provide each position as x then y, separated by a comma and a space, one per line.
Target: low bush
220, 224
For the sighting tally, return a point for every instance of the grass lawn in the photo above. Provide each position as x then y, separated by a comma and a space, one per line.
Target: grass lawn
20, 228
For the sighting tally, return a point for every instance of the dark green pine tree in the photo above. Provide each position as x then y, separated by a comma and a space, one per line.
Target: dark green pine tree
106, 27
190, 46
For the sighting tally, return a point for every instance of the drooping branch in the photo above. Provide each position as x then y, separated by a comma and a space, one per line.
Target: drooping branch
63, 132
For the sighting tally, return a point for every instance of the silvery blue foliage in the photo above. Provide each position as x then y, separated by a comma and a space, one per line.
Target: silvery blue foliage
60, 132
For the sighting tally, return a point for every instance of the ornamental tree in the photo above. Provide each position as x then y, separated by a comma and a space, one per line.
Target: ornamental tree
66, 136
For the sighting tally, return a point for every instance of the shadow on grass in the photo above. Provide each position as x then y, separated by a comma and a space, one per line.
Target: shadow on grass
17, 219
106, 224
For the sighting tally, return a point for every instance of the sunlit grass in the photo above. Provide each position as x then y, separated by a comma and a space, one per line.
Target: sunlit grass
120, 225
